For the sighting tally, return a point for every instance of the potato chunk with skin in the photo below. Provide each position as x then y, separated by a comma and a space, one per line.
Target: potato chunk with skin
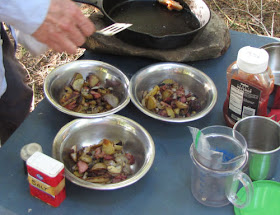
108, 147
151, 103
92, 80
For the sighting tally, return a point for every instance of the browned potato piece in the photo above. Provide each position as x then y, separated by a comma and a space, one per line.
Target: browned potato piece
153, 91
68, 90
85, 93
181, 105
170, 112
108, 147
92, 80
78, 84
151, 103
98, 179
177, 111
76, 173
98, 166
67, 98
76, 76
166, 94
86, 158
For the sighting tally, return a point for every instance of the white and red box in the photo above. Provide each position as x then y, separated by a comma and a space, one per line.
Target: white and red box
46, 178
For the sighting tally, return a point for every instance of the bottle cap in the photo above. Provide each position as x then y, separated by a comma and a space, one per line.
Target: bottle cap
252, 60
29, 149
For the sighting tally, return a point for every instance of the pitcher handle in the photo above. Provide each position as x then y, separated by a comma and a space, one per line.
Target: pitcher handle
247, 184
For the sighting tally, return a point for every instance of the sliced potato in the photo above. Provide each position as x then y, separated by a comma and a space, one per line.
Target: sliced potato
154, 91
108, 147
78, 84
68, 89
170, 112
85, 93
92, 80
98, 166
114, 169
86, 158
68, 98
166, 94
76, 173
176, 111
181, 105
77, 76
98, 179
151, 103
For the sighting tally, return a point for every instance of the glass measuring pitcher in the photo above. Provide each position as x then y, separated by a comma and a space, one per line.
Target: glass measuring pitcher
214, 182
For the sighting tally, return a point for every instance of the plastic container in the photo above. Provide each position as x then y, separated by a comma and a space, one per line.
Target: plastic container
265, 200
250, 82
214, 182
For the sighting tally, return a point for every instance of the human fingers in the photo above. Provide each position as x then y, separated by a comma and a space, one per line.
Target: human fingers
64, 27
85, 25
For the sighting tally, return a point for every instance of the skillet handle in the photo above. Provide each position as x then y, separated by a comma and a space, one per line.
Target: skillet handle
96, 3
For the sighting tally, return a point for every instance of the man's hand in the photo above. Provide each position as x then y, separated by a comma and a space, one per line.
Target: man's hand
65, 27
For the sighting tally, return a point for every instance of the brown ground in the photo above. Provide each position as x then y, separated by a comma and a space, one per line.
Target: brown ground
261, 17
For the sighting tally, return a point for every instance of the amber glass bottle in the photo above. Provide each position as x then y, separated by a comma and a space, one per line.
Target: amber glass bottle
250, 82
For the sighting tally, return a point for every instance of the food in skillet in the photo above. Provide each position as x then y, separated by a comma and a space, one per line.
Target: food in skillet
104, 163
171, 5
88, 96
169, 99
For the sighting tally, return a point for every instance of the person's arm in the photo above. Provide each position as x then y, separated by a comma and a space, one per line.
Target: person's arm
25, 16
59, 24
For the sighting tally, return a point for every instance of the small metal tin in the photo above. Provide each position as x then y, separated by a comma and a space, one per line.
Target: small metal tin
28, 150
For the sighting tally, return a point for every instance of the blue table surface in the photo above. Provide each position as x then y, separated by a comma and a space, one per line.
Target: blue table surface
165, 189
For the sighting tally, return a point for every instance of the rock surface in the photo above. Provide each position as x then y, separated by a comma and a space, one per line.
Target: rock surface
212, 43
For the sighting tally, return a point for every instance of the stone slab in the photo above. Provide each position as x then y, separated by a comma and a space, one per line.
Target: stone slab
212, 43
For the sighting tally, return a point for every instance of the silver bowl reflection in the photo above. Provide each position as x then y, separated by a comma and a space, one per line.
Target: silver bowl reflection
109, 75
192, 79
273, 50
85, 132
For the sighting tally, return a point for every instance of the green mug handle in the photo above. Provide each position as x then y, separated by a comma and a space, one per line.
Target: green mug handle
259, 166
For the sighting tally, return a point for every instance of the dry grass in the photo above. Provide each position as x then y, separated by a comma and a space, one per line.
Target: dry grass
261, 17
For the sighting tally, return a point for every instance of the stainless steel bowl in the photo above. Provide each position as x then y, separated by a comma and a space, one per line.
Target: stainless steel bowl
189, 77
57, 79
273, 50
84, 132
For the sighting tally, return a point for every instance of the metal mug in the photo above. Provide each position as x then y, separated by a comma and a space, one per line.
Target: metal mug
215, 182
263, 144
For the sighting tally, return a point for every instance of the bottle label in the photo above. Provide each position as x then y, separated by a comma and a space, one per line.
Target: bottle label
243, 100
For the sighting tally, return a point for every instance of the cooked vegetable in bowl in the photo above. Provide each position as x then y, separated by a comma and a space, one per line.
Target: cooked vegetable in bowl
104, 153
169, 99
88, 96
87, 89
104, 163
173, 92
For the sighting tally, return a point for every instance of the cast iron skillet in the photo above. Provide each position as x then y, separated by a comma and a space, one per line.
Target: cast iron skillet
154, 26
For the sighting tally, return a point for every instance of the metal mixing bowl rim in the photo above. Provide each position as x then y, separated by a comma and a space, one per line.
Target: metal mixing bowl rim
138, 175
167, 119
54, 103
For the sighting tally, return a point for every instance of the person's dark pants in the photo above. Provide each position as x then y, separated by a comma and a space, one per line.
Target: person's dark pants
15, 102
